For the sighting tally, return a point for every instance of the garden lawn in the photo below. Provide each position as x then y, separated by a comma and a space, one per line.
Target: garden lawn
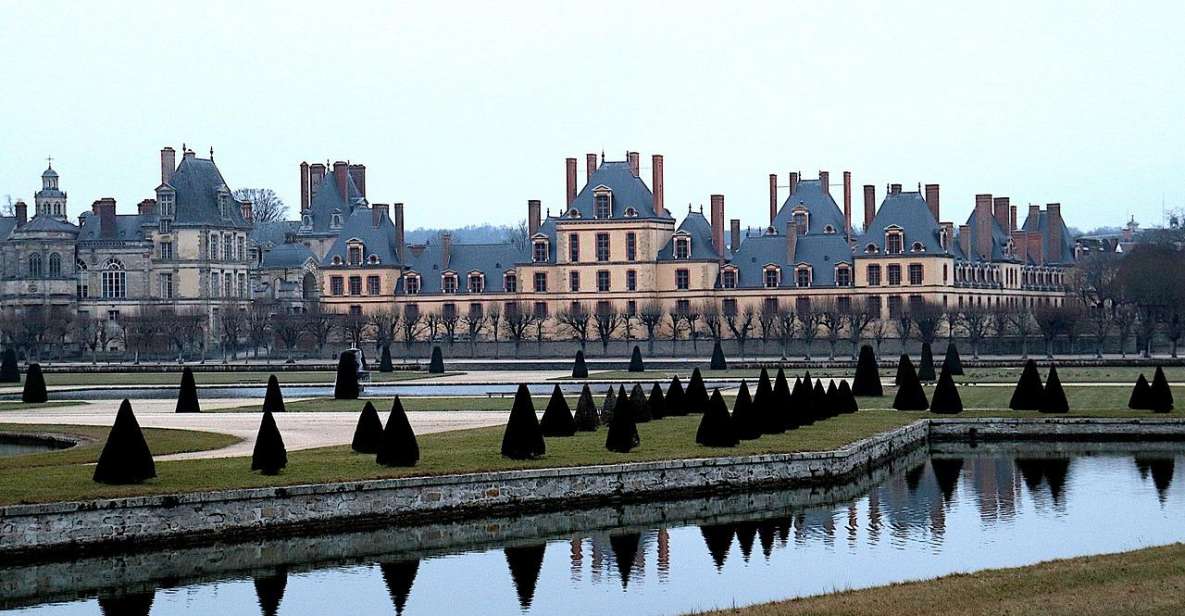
1145, 582
17, 405
160, 440
254, 377
1068, 374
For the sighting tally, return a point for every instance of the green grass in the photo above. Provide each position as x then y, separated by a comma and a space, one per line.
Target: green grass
160, 440
16, 405
1143, 582
1114, 374
70, 379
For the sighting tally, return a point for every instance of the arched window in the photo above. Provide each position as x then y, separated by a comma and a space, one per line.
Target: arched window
35, 265
917, 247
55, 264
114, 280
336, 221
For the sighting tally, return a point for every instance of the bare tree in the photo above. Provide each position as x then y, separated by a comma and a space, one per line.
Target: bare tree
904, 326
808, 326
998, 320
976, 321
879, 330
691, 317
475, 322
831, 319
787, 322
575, 318
1022, 323
62, 323
675, 316
413, 326
518, 235
89, 326
741, 326
857, 317
1102, 319
450, 318
232, 327
30, 330
494, 316
540, 332
606, 322
767, 321
518, 322
266, 205
319, 325
432, 324
1125, 324
385, 325
1052, 321
355, 326
289, 329
190, 326
927, 318
651, 317
713, 319
259, 325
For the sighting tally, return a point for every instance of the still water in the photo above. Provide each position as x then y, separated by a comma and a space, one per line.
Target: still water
952, 509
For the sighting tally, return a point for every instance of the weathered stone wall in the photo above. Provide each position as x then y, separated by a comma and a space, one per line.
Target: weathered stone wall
1049, 428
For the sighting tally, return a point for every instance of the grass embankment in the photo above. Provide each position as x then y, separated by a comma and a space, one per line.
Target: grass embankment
74, 379
1068, 374
16, 405
162, 442
1144, 582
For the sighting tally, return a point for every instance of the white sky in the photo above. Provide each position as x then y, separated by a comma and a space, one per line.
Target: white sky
465, 111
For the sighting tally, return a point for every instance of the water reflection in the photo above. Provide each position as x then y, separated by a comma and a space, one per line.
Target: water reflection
269, 590
126, 603
1161, 469
399, 577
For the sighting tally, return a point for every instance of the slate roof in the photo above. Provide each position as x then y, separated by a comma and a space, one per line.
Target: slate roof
7, 224
700, 230
328, 200
547, 229
129, 228
822, 252
490, 259
821, 208
999, 240
46, 224
1041, 224
377, 240
285, 256
196, 182
909, 211
273, 233
628, 191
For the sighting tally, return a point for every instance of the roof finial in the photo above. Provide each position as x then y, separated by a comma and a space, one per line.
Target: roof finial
211, 152
49, 159
183, 148
602, 156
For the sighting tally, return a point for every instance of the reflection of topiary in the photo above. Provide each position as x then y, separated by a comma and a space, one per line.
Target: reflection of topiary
718, 360
368, 434
436, 364
867, 381
586, 418
34, 392
579, 369
270, 455
636, 360
125, 458
716, 428
398, 446
696, 399
346, 385
1053, 399
946, 398
1160, 394
557, 419
910, 395
187, 398
1028, 392
623, 432
523, 439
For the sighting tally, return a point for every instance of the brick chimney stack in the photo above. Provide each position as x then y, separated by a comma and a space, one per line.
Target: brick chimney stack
825, 182
146, 207
379, 212
794, 176
983, 226
656, 187
734, 242
718, 224
1012, 219
1020, 244
965, 240
570, 187
22, 213
358, 174
847, 205
869, 205
1036, 250
1034, 214
635, 164
341, 174
168, 164
105, 208
398, 220
304, 187
534, 207
1000, 208
773, 197
316, 177
1053, 212
894, 189
791, 242
590, 166
932, 201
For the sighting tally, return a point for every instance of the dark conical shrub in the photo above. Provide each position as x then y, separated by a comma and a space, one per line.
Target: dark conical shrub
10, 372
125, 458
1160, 395
636, 360
696, 399
398, 446
656, 403
436, 364
1028, 392
126, 603
800, 402
187, 398
1140, 399
557, 419
847, 400
819, 401
385, 360
910, 395
900, 371
745, 415
769, 414
622, 435
34, 392
586, 418
269, 590
946, 398
783, 404
399, 577
926, 367
640, 404
716, 428
273, 400
867, 381
1053, 399
579, 368
346, 385
525, 563
608, 405
951, 362
270, 455
676, 400
718, 360
368, 434
523, 439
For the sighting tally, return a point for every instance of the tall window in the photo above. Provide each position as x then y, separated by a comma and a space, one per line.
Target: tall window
893, 242
682, 248
411, 284
874, 275
894, 306
631, 246
540, 310
540, 251
729, 307
800, 222
83, 287
477, 283
873, 304
228, 248
843, 276
728, 279
631, 280
55, 264
510, 283
771, 277
166, 225
165, 204
355, 285
242, 252
573, 247
802, 277
336, 285
166, 251
574, 281
915, 273
603, 281
540, 282
373, 286
894, 274
242, 285
213, 247
601, 206
682, 279
228, 284
448, 283
602, 247
166, 285
114, 280
355, 255
35, 265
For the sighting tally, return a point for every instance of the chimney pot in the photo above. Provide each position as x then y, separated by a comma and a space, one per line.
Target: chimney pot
735, 233
22, 213
635, 165
656, 184
869, 206
847, 205
773, 197
570, 188
718, 224
590, 166
825, 182
965, 241
146, 207
894, 189
168, 163
341, 174
533, 208
1000, 208
793, 183
304, 187
398, 221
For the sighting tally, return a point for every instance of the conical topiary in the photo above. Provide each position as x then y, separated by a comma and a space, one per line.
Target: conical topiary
946, 398
951, 362
10, 372
636, 360
640, 404
910, 395
523, 439
716, 428
847, 400
608, 405
586, 417
1160, 395
867, 381
696, 399
273, 400
769, 414
398, 446
800, 404
819, 401
926, 367
1029, 390
187, 398
34, 392
676, 400
579, 368
1140, 398
557, 419
745, 415
833, 398
1053, 399
125, 458
656, 402
346, 385
385, 360
783, 406
436, 364
270, 455
622, 435
368, 434
718, 360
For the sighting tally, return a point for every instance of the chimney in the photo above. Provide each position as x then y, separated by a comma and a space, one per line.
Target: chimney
1000, 209
570, 189
146, 207
1054, 226
791, 242
949, 227
187, 153
656, 188
983, 226
718, 224
168, 163
341, 174
847, 205
1020, 245
825, 182
245, 210
105, 208
358, 173
773, 197
534, 206
894, 189
793, 183
590, 166
635, 167
965, 240
316, 176
446, 249
1034, 214
1035, 249
1011, 219
398, 220
379, 212
932, 201
869, 205
304, 187
22, 213
734, 227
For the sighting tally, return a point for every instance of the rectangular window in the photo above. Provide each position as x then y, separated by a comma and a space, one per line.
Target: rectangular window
844, 303
601, 207
843, 277
166, 285
242, 285
631, 280
112, 315
682, 248
355, 310
893, 243
602, 247
166, 225
803, 276
477, 283
604, 307
683, 306
771, 278
448, 283
728, 279
355, 255
242, 252
631, 308
873, 304
573, 247
510, 283
682, 279
449, 311
603, 281
802, 305
574, 281
411, 283
228, 248
540, 254
894, 275
475, 310
166, 251
874, 275
373, 286
215, 283
540, 282
335, 285
228, 285
916, 302
894, 306
915, 273
355, 285
540, 310
631, 246
729, 307
213, 247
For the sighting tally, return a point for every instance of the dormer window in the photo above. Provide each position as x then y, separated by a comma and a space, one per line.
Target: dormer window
802, 220
166, 225
411, 283
166, 203
772, 276
728, 278
843, 275
337, 260
802, 276
871, 249
829, 230
306, 221
631, 212
539, 252
682, 248
510, 282
1009, 248
448, 282
224, 202
335, 221
944, 238
355, 253
573, 213
917, 247
477, 282
372, 259
602, 204
894, 241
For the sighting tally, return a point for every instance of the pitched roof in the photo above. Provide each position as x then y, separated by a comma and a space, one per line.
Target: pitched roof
490, 259
327, 201
628, 191
822, 252
909, 211
273, 233
700, 230
821, 208
377, 240
197, 182
286, 256
1042, 225
999, 239
46, 224
128, 228
7, 224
